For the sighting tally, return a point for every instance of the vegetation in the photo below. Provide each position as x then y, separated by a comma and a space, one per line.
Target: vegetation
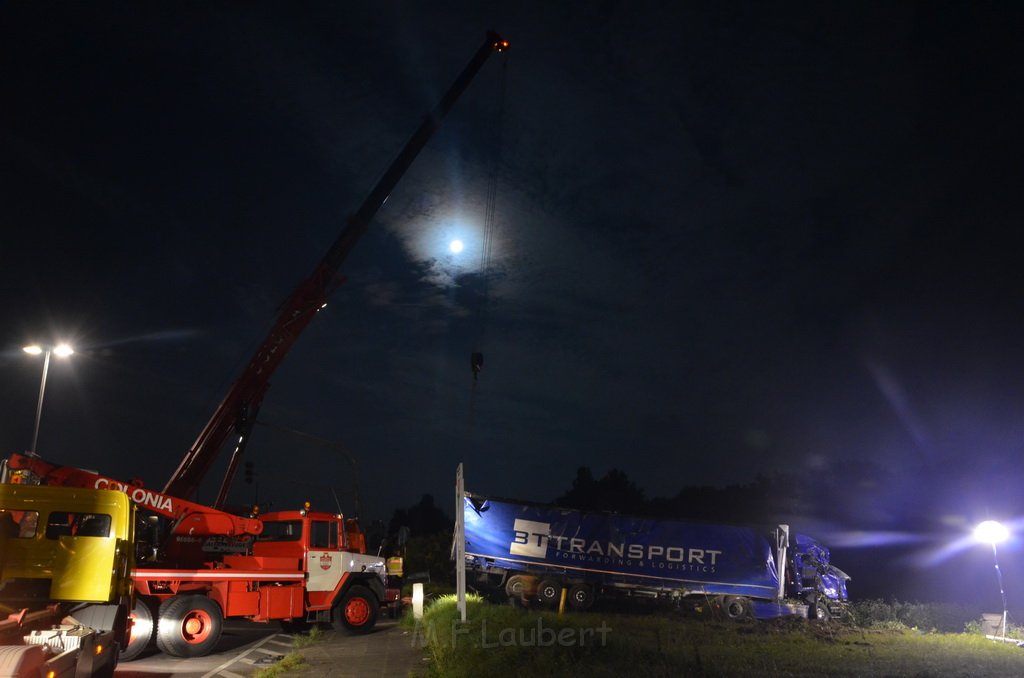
422, 535
428, 559
894, 614
505, 641
301, 640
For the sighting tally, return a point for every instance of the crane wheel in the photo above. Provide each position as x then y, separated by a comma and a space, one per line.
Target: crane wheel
189, 626
143, 629
357, 611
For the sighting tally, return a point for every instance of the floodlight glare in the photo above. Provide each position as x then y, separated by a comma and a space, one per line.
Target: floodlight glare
991, 532
62, 350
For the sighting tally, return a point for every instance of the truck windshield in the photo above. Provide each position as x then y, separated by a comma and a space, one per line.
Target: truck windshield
14, 523
281, 530
69, 523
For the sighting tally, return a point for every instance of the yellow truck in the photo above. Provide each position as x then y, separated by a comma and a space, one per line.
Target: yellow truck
66, 560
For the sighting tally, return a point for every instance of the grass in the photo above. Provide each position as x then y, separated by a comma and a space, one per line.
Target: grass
313, 636
500, 640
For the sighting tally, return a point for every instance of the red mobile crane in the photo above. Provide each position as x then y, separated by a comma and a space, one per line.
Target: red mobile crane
294, 566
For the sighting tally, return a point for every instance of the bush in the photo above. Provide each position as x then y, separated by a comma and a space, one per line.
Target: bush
430, 557
894, 614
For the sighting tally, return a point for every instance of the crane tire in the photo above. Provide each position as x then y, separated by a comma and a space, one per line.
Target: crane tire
189, 626
143, 629
357, 611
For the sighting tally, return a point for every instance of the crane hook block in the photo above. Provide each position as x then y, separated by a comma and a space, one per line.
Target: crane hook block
498, 44
476, 361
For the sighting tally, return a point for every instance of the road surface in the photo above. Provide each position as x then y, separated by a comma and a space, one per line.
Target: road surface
244, 648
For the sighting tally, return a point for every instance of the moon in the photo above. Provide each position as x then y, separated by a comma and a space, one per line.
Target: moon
455, 246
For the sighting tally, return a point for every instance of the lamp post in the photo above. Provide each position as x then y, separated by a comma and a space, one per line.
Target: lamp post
61, 351
992, 532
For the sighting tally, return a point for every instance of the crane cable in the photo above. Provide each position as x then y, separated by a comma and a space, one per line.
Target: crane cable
476, 358
487, 244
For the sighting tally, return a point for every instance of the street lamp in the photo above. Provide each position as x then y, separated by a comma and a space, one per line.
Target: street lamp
61, 351
992, 532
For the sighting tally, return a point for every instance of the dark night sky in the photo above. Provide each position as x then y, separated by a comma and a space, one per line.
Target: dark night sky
729, 239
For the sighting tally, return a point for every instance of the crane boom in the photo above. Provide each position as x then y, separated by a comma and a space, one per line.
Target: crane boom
236, 413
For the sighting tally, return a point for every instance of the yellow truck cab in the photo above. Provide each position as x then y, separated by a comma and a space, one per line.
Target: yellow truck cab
66, 558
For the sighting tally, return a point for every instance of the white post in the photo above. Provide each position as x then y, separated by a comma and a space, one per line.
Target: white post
460, 542
417, 601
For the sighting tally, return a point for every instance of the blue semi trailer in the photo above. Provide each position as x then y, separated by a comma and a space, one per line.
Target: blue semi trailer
532, 552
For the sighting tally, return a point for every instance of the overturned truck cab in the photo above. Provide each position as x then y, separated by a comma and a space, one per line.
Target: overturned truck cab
540, 553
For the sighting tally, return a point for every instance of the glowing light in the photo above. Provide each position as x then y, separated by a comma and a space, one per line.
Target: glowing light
60, 350
455, 246
991, 532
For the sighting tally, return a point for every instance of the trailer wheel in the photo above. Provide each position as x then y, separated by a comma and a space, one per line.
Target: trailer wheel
517, 586
549, 591
143, 629
736, 607
357, 611
581, 597
189, 626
